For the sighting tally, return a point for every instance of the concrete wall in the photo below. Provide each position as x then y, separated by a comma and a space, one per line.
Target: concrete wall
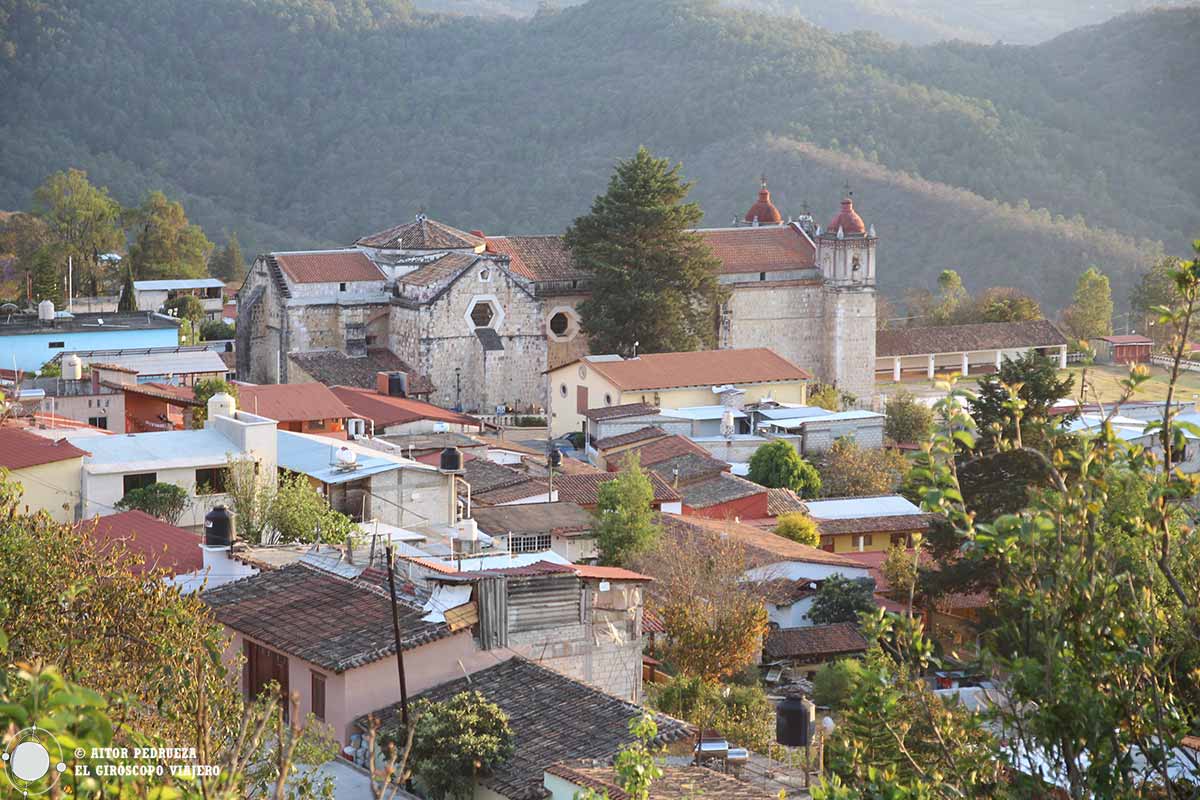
849, 341
787, 317
50, 487
407, 497
109, 406
804, 570
791, 616
102, 491
819, 436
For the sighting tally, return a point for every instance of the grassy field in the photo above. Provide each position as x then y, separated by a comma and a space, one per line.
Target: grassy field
1103, 384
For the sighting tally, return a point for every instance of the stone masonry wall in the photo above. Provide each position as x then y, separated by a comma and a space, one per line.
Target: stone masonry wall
849, 340
788, 318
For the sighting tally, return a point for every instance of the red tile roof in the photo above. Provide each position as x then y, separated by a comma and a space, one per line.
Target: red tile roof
763, 249
618, 412
163, 546
599, 573
328, 266
1127, 338
421, 234
670, 447
765, 547
584, 488
699, 368
764, 211
291, 402
815, 643
388, 410
964, 338
20, 449
847, 219
631, 437
539, 258
177, 395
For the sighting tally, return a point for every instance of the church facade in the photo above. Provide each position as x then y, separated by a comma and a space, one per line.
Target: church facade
476, 320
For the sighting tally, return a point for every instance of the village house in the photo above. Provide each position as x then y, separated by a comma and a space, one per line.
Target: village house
867, 524
298, 407
180, 365
670, 381
30, 340
48, 471
583, 489
553, 719
391, 411
196, 460
974, 349
803, 651
1128, 348
153, 295
482, 316
564, 528
156, 406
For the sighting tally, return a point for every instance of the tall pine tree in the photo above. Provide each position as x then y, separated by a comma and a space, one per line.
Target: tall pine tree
228, 264
654, 281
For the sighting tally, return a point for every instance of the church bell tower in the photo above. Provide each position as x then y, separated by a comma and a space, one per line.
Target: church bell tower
846, 257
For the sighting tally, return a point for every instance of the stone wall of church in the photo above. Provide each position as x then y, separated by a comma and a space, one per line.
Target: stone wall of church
786, 317
440, 338
574, 343
849, 340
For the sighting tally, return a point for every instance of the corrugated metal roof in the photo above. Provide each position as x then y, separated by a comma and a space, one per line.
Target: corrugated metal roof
316, 457
178, 283
852, 507
173, 363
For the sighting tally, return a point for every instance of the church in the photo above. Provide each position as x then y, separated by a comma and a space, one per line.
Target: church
474, 321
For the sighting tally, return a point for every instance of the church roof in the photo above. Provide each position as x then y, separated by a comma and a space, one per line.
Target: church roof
847, 219
437, 271
327, 266
421, 234
539, 258
764, 211
763, 249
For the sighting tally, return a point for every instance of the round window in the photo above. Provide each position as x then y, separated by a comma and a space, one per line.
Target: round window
582, 371
608, 399
559, 324
562, 389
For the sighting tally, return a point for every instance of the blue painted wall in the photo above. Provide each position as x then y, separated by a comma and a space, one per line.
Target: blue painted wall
32, 350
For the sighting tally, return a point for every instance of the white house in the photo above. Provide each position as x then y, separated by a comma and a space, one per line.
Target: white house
152, 295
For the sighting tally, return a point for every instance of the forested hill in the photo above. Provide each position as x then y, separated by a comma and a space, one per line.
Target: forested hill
302, 122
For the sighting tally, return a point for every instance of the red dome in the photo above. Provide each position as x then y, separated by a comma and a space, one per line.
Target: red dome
847, 219
764, 210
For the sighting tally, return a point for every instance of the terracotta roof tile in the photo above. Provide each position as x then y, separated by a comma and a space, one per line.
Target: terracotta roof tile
676, 783
689, 467
584, 488
421, 234
440, 270
621, 411
651, 621
539, 258
960, 338
533, 518
319, 617
327, 266
815, 642
387, 410
700, 368
622, 439
291, 402
599, 573
530, 487
671, 446
163, 546
784, 501
885, 524
765, 547
763, 249
178, 395
553, 719
335, 368
723, 488
484, 475
20, 449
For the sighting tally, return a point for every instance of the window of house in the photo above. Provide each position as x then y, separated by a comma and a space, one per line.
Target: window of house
482, 315
211, 480
559, 324
485, 274
607, 399
57, 345
529, 544
318, 696
139, 480
762, 276
316, 425
98, 422
900, 539
864, 540
562, 389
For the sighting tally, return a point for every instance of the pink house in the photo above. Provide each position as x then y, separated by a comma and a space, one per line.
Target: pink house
329, 639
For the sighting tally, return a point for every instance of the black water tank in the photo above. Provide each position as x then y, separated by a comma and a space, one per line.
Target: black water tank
452, 460
218, 527
794, 721
554, 456
398, 384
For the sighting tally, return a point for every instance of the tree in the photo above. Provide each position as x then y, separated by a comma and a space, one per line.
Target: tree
743, 714
1155, 288
625, 525
163, 500
228, 264
299, 513
952, 298
900, 571
165, 244
908, 420
128, 301
851, 470
1090, 314
204, 391
654, 282
1038, 387
251, 498
714, 619
185, 306
777, 465
841, 599
457, 740
830, 398
83, 222
834, 681
47, 277
1004, 304
799, 527
635, 763
215, 329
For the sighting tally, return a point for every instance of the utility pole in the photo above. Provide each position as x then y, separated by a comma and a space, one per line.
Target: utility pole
391, 564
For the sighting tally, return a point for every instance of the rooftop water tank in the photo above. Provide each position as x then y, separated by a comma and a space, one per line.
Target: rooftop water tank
218, 528
222, 404
346, 458
46, 311
794, 717
72, 367
451, 461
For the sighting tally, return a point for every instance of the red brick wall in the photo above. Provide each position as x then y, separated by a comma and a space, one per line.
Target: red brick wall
752, 507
